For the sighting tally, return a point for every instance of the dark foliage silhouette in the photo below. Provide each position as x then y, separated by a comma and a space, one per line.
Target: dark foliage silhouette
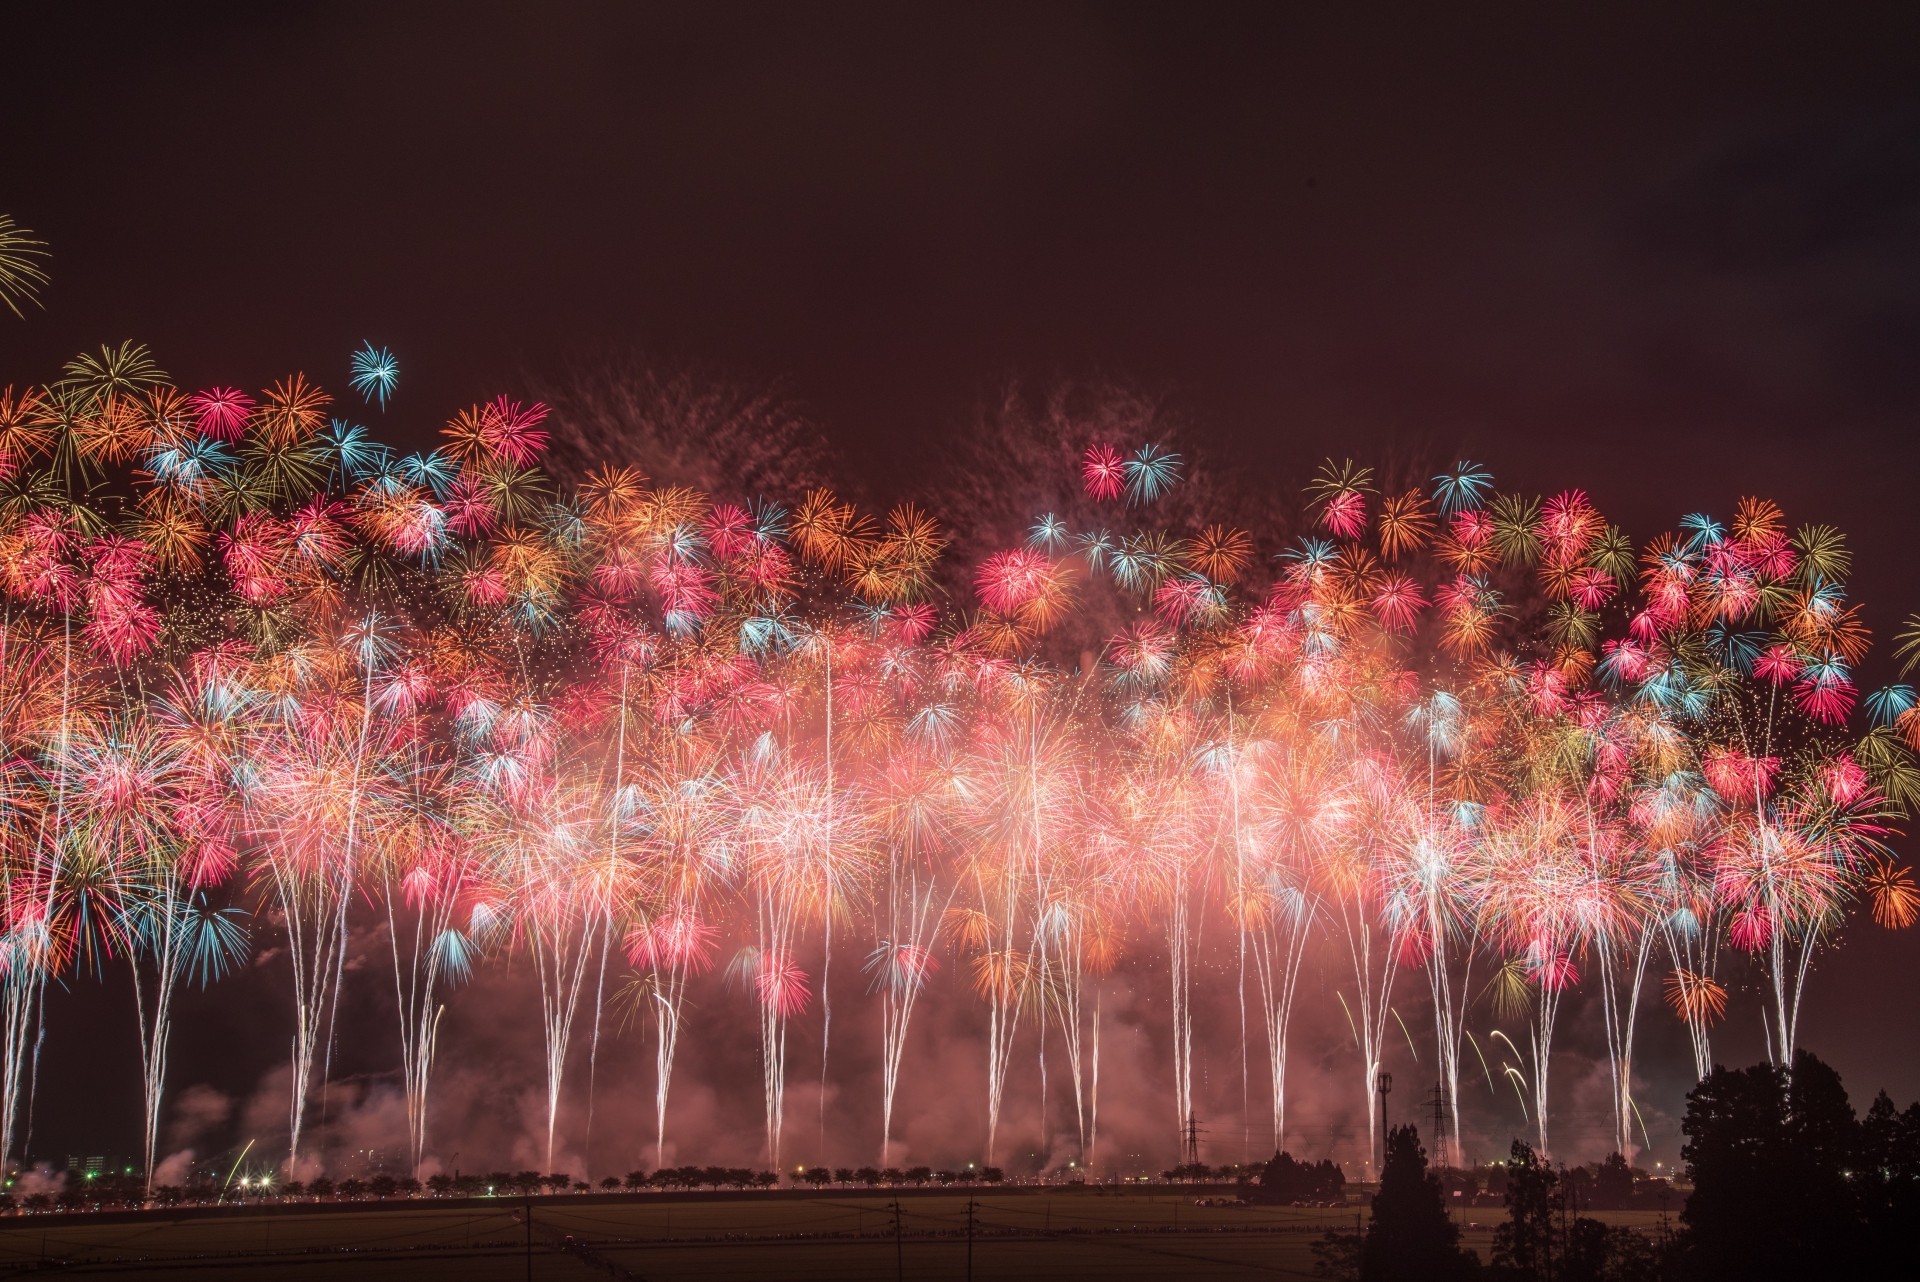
1787, 1182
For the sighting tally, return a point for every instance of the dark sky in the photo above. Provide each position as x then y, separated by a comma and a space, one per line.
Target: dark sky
1672, 257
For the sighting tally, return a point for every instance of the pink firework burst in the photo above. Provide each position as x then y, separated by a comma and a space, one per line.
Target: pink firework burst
1345, 514
1398, 603
1008, 580
912, 623
1188, 599
1844, 779
1592, 588
472, 511
1552, 967
1102, 470
513, 431
729, 530
1779, 664
677, 940
782, 985
1737, 776
222, 412
1751, 928
1471, 528
1825, 697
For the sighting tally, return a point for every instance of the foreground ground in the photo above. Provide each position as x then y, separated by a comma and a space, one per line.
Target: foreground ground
1024, 1233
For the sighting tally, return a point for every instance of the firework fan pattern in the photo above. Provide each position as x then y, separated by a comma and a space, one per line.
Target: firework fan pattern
259, 671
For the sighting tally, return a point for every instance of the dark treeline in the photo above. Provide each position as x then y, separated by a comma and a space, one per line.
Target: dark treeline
1787, 1183
109, 1191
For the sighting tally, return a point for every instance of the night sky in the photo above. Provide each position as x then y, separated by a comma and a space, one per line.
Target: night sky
1671, 258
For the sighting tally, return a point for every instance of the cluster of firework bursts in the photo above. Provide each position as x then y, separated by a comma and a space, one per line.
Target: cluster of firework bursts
631, 733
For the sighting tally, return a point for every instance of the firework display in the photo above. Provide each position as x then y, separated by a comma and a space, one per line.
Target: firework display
252, 658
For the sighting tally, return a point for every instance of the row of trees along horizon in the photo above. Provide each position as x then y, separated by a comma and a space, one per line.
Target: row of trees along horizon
1786, 1181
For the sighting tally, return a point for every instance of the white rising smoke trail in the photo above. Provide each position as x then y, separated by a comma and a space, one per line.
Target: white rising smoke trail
667, 993
1436, 858
560, 941
17, 981
1372, 937
1180, 972
1280, 946
1539, 1051
1623, 970
1066, 924
419, 1015
29, 944
1272, 911
311, 908
179, 938
1002, 972
16, 970
1694, 948
1450, 1023
561, 951
915, 797
786, 816
438, 955
430, 889
1231, 768
899, 965
1042, 882
1372, 951
312, 900
622, 810
169, 928
826, 949
685, 847
763, 969
372, 645
1011, 812
1171, 834
19, 984
1788, 980
675, 948
1093, 1094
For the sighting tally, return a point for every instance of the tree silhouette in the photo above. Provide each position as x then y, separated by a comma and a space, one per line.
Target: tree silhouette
1788, 1181
1613, 1184
1523, 1246
1410, 1235
1284, 1181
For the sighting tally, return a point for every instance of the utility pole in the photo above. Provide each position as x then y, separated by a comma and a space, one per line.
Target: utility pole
971, 1204
1438, 1099
1193, 1141
899, 1257
1383, 1083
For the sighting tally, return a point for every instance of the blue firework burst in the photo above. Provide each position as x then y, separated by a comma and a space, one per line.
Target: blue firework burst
374, 373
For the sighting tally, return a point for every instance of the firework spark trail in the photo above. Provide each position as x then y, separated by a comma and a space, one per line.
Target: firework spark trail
1427, 891
1445, 729
1076, 926
687, 855
916, 795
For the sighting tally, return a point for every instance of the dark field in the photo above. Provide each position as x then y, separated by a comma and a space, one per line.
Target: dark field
1056, 1233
